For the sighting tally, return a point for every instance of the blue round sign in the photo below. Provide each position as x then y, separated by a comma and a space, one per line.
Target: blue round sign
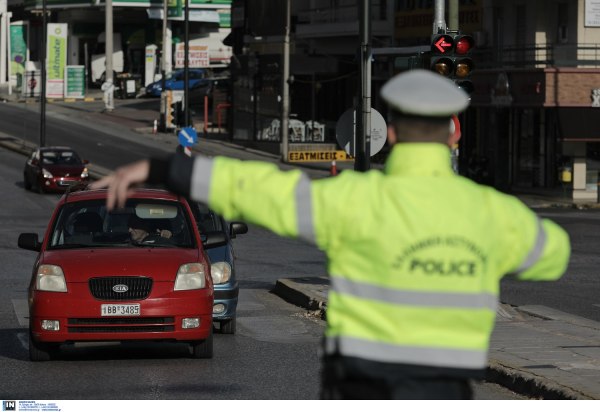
188, 137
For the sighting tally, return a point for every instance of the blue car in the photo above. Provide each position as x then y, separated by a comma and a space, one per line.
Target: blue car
222, 265
176, 82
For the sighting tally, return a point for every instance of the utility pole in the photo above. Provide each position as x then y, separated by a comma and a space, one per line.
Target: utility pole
453, 15
163, 80
362, 162
285, 112
108, 29
42, 139
4, 41
186, 75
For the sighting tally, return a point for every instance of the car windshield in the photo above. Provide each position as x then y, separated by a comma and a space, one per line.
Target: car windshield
60, 158
142, 222
207, 220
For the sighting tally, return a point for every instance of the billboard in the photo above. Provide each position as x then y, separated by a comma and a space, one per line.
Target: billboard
198, 56
56, 53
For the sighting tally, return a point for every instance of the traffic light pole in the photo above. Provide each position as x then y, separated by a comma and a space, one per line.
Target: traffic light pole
362, 163
186, 69
285, 112
439, 24
163, 80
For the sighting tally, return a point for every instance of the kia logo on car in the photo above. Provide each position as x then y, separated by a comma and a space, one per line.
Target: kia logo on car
120, 288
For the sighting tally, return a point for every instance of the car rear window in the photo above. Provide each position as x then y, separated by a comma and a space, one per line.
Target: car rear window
60, 158
89, 224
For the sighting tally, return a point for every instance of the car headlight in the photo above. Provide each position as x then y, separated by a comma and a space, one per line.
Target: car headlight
50, 278
85, 173
47, 174
190, 276
220, 272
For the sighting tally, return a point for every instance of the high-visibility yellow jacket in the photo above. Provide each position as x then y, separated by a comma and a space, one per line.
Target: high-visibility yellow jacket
415, 253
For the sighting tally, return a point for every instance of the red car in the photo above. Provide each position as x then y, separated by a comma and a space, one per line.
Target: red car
51, 168
137, 273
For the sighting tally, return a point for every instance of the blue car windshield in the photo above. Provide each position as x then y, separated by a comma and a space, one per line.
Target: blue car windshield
142, 222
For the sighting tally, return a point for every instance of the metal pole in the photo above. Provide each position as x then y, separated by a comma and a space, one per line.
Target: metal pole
186, 75
453, 14
363, 113
439, 23
43, 93
285, 112
163, 80
5, 41
108, 50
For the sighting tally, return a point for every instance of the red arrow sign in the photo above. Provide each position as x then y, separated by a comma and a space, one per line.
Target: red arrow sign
441, 45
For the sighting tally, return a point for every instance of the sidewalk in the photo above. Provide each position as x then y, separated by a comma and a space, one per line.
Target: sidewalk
535, 350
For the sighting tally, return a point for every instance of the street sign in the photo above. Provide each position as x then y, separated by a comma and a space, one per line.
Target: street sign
188, 137
319, 156
455, 129
198, 56
75, 81
345, 131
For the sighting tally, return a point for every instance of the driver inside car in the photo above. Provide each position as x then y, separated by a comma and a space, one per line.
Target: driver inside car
139, 230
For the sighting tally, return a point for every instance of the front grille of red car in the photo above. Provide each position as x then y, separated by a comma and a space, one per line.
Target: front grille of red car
121, 329
138, 288
120, 321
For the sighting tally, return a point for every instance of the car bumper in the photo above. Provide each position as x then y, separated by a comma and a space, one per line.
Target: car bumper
61, 183
153, 92
160, 318
226, 295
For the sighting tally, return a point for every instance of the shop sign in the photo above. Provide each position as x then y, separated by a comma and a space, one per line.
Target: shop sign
75, 81
57, 59
174, 8
501, 92
595, 97
592, 13
198, 56
415, 18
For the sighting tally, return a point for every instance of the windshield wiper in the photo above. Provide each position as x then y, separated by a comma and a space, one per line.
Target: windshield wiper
81, 245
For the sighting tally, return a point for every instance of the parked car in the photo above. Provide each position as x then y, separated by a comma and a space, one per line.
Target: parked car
206, 87
176, 82
95, 280
52, 168
223, 271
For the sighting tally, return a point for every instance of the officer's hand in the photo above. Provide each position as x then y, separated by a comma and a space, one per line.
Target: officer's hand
119, 182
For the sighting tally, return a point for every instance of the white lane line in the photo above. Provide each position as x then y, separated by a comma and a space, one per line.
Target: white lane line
24, 339
22, 311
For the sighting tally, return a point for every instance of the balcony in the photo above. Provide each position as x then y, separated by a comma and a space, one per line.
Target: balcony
583, 55
341, 21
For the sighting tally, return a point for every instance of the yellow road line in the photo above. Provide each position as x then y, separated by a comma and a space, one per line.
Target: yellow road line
89, 99
69, 100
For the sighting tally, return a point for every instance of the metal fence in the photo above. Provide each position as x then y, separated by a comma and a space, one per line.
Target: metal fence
339, 14
539, 56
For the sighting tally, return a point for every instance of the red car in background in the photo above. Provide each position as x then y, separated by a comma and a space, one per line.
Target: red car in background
137, 273
51, 168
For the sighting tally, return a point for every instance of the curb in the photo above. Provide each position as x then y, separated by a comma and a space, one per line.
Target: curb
66, 100
506, 375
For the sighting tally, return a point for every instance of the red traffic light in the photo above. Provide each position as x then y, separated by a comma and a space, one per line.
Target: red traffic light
442, 44
464, 45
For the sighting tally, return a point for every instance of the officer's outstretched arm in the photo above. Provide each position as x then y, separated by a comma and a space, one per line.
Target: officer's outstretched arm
537, 249
255, 192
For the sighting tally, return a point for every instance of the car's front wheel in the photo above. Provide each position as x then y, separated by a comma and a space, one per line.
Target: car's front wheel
40, 351
203, 349
227, 327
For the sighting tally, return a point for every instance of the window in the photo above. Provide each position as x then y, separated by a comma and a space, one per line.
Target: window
563, 23
89, 224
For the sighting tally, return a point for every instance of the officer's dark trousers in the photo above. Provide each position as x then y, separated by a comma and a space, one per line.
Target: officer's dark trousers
339, 381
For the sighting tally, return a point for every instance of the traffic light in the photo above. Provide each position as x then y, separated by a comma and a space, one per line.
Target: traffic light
450, 57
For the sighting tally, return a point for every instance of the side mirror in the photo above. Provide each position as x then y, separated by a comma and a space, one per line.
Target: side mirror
214, 239
29, 241
85, 162
237, 228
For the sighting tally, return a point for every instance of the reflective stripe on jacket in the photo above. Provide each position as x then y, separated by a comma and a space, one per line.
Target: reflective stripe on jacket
415, 253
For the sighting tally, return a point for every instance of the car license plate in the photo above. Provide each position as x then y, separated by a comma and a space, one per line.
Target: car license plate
120, 310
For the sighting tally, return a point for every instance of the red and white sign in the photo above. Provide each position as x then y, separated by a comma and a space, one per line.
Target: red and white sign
198, 56
455, 129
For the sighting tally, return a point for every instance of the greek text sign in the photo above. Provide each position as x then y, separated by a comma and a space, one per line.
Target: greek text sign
198, 56
319, 156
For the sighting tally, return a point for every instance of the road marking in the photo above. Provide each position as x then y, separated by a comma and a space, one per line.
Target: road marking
88, 99
596, 304
24, 339
22, 311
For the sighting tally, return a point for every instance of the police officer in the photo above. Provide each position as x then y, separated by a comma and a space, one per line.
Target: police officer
415, 253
